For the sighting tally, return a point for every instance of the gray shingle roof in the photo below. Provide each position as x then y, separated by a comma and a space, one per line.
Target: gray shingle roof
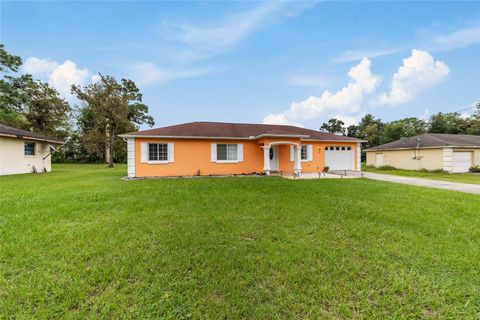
237, 130
429, 140
7, 131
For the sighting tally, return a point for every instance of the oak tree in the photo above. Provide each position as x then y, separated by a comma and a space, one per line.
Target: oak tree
110, 108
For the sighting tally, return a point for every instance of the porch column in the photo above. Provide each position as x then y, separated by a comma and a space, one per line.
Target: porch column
266, 160
298, 164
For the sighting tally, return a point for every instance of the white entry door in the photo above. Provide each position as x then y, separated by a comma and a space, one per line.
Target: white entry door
274, 158
462, 161
340, 158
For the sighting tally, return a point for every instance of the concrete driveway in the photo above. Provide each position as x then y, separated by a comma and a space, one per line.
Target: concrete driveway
455, 186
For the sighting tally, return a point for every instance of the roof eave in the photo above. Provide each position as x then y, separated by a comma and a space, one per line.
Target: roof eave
266, 135
432, 147
334, 140
128, 135
302, 137
31, 138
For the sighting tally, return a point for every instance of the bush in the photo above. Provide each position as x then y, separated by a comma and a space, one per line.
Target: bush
326, 168
437, 171
475, 169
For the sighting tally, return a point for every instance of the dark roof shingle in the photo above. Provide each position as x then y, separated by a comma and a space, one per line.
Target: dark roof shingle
23, 134
429, 140
237, 130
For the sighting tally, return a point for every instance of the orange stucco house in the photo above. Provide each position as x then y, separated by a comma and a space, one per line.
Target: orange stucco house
215, 148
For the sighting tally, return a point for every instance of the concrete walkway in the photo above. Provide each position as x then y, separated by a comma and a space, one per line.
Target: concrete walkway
455, 186
312, 175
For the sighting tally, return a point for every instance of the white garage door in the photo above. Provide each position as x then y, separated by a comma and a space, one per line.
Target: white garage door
462, 161
339, 158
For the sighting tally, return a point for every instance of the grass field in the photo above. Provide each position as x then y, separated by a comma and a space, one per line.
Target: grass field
81, 243
445, 176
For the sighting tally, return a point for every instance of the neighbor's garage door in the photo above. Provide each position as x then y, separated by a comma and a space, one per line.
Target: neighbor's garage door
339, 158
462, 161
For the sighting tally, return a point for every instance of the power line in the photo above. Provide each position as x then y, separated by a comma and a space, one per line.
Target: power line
472, 107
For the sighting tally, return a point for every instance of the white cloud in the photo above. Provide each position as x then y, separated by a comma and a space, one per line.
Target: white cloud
36, 66
348, 120
279, 119
66, 74
59, 76
347, 101
229, 31
275, 119
418, 72
145, 73
431, 41
63, 76
205, 41
459, 38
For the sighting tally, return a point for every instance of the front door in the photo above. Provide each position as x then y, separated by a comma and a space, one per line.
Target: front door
274, 158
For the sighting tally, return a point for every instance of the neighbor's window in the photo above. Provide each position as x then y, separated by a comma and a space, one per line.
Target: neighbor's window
29, 148
226, 152
303, 153
157, 152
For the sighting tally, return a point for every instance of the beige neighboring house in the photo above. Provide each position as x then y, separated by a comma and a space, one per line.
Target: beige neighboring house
430, 151
24, 152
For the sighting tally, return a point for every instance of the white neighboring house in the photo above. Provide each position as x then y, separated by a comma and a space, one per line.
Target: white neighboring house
25, 152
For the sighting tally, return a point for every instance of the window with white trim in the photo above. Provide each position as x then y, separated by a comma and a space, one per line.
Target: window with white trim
29, 149
227, 152
304, 153
157, 152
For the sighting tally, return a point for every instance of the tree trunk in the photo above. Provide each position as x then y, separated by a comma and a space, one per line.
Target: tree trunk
107, 143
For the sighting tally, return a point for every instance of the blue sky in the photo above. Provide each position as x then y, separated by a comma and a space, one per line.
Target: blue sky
274, 62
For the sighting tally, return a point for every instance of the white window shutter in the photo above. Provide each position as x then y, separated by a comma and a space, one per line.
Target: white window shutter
309, 152
144, 155
292, 153
213, 152
171, 152
240, 152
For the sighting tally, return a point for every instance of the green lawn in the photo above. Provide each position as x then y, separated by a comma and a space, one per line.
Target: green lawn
472, 178
81, 243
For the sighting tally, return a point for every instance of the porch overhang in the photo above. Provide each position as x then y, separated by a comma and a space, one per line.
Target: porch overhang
268, 144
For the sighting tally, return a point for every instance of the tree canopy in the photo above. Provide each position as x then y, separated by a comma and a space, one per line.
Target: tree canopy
334, 126
108, 108
29, 104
